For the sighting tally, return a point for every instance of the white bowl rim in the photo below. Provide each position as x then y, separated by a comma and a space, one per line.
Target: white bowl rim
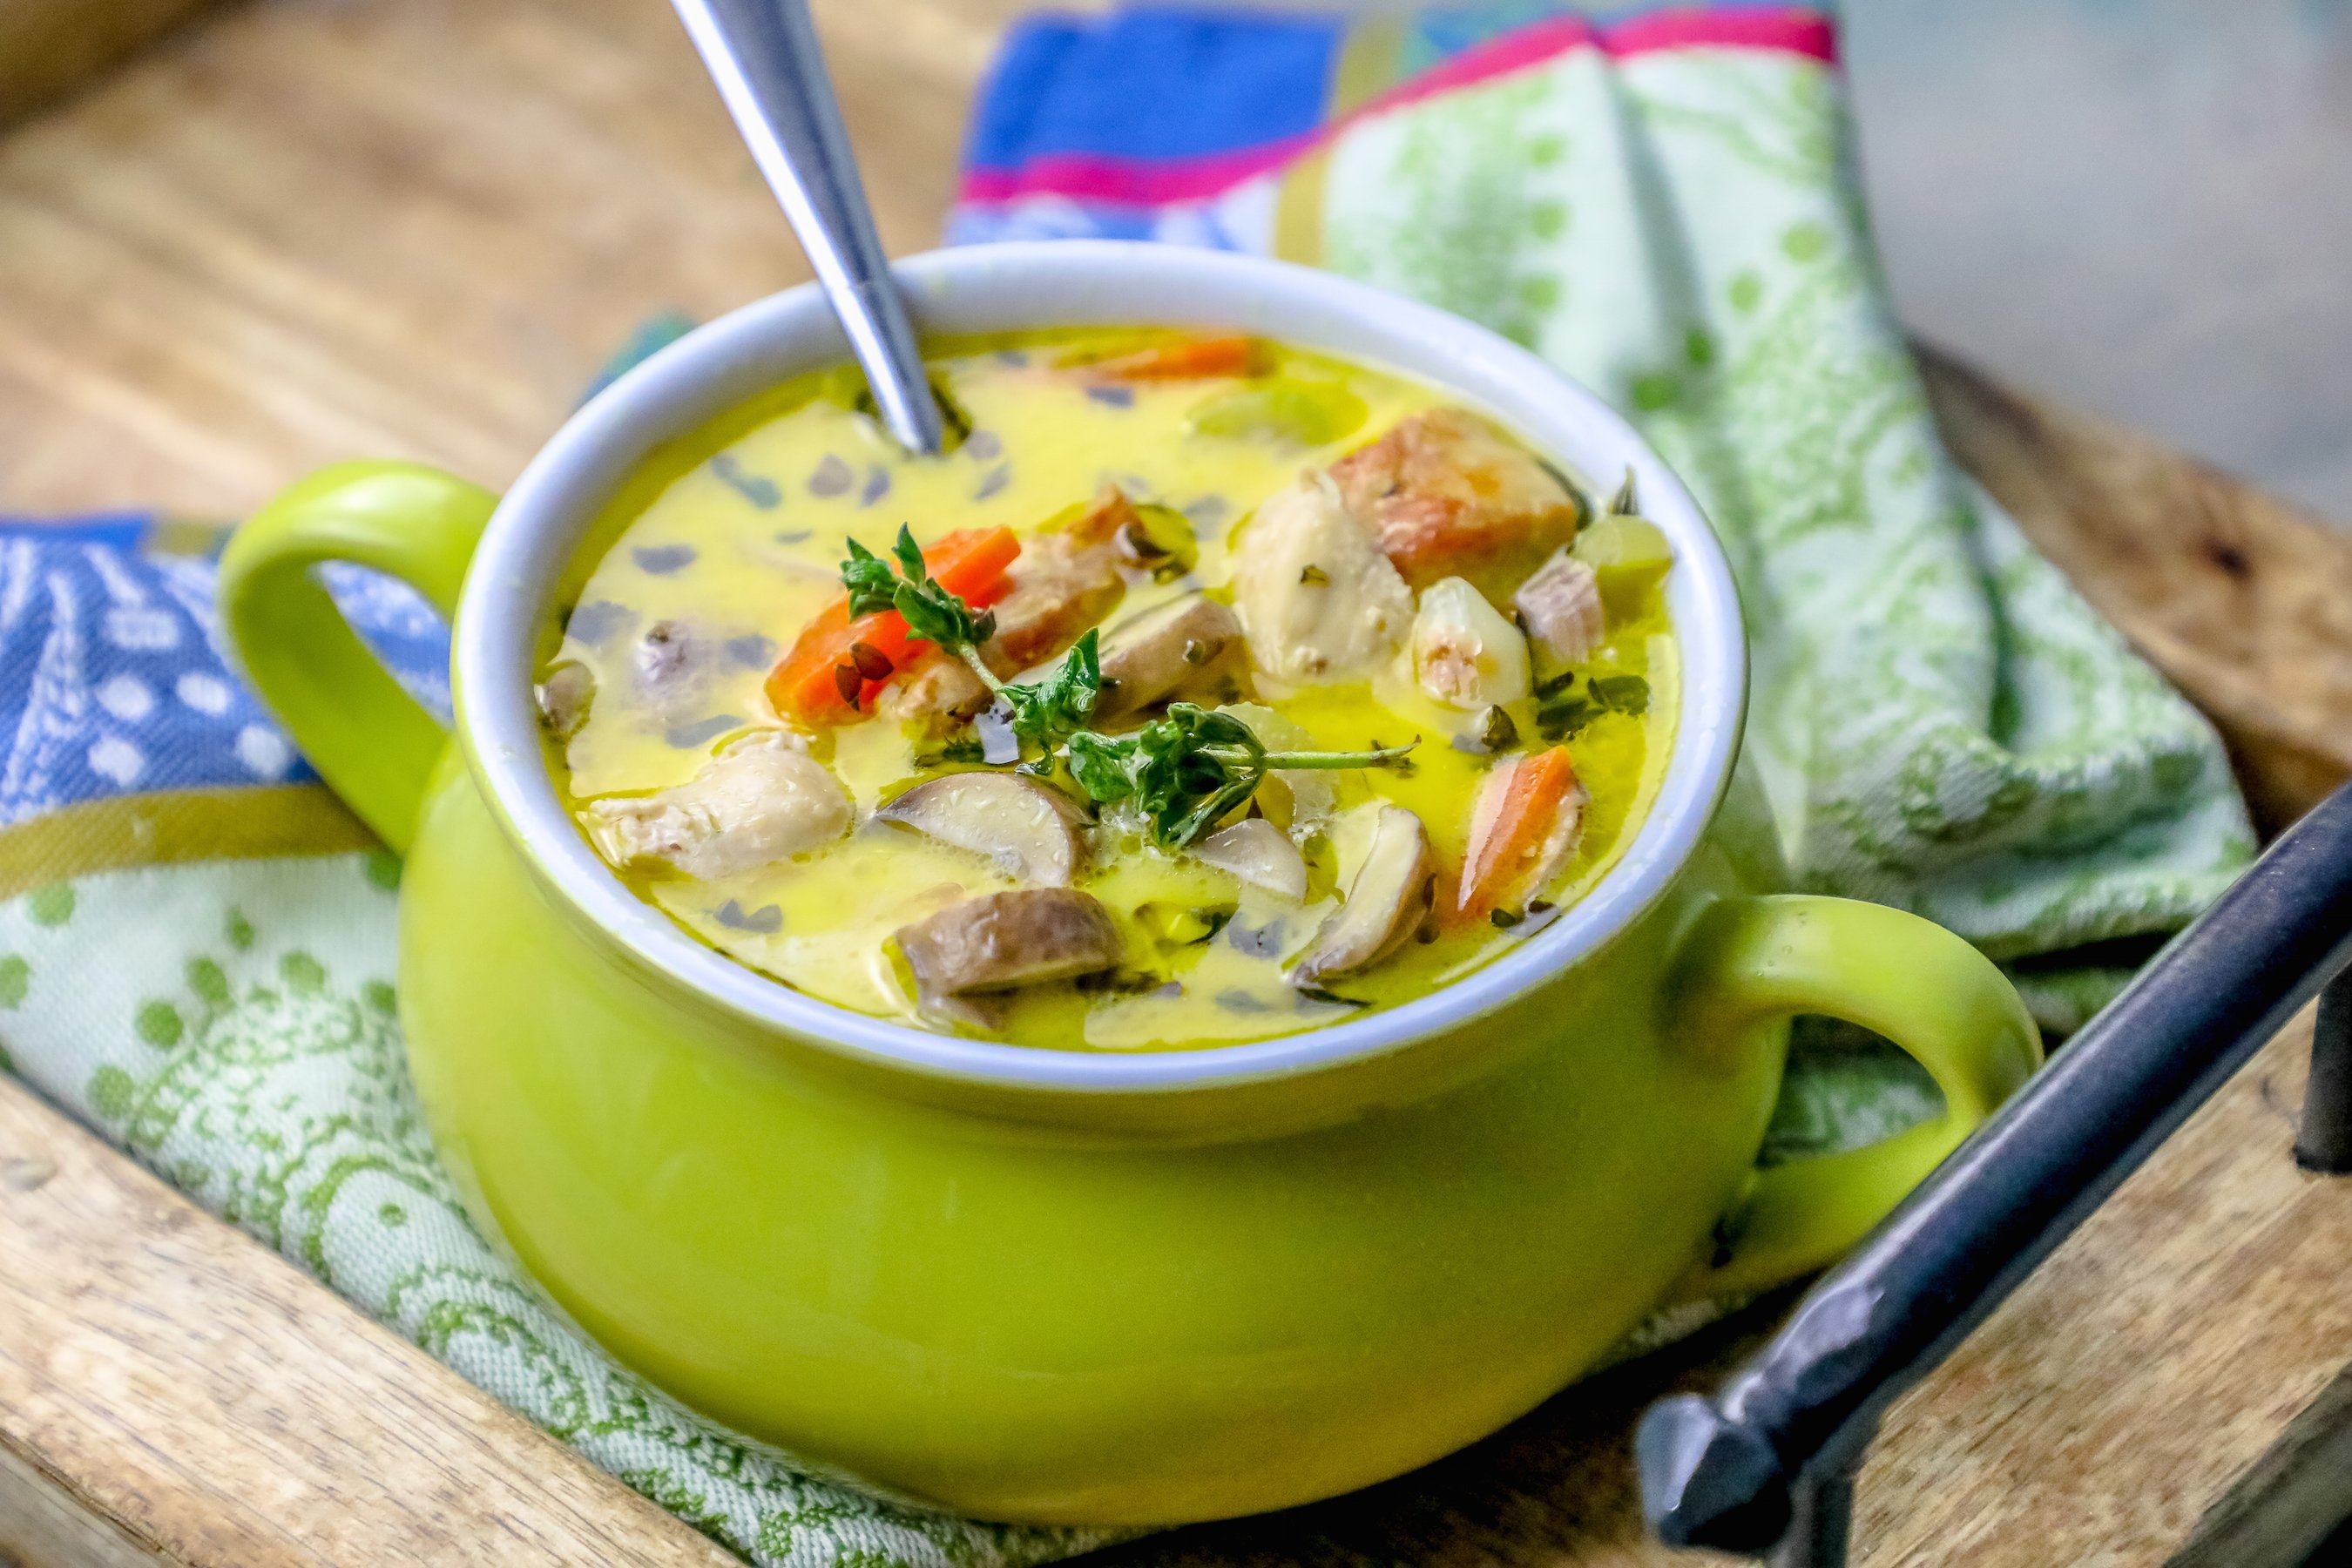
1034, 284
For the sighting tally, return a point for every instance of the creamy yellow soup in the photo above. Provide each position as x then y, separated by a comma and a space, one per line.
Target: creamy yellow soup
730, 545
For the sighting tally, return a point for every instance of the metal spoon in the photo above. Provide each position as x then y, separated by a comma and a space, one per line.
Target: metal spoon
764, 56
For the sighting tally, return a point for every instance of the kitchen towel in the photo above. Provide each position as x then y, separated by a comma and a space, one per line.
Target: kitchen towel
196, 943
1663, 204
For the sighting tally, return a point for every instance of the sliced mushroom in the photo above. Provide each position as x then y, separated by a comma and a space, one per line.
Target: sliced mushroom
1301, 801
674, 661
1029, 829
1004, 941
1185, 646
564, 698
1464, 652
1394, 892
1260, 853
757, 802
937, 692
1561, 608
1319, 600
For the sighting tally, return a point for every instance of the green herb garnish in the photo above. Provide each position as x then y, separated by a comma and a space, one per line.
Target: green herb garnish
1051, 710
1046, 711
1621, 693
957, 753
1184, 771
930, 612
1188, 770
1565, 712
1569, 716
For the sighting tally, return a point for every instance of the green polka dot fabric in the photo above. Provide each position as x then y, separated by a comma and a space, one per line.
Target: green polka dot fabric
1669, 214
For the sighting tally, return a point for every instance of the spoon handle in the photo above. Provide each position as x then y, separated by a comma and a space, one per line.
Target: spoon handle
764, 58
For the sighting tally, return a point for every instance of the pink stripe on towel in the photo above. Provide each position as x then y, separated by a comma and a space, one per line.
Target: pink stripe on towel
1147, 183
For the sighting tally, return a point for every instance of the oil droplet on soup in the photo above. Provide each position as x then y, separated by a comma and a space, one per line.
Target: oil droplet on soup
1217, 689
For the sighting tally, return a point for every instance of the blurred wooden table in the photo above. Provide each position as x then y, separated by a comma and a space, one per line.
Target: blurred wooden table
308, 229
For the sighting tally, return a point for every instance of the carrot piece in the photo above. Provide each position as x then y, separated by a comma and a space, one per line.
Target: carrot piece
1515, 811
1185, 360
805, 683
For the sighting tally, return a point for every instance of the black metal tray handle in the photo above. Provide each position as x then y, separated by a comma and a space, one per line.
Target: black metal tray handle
1769, 1462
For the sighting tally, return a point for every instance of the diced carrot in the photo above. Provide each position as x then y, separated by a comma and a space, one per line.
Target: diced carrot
1187, 359
805, 685
1514, 816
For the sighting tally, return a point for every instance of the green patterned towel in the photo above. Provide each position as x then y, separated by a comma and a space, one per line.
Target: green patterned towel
196, 944
1663, 205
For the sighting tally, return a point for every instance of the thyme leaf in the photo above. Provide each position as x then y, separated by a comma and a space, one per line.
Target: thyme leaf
931, 612
1184, 771
1188, 770
1051, 710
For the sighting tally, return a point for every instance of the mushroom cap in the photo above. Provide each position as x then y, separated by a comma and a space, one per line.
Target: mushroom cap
1029, 829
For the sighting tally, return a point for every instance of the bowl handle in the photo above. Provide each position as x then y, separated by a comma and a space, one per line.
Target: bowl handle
1750, 962
369, 739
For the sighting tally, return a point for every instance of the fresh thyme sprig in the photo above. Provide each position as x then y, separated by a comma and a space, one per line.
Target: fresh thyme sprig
1189, 769
1184, 771
1045, 710
930, 611
1051, 710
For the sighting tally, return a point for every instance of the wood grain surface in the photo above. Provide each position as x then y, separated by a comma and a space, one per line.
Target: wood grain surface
175, 1392
303, 230
49, 47
411, 228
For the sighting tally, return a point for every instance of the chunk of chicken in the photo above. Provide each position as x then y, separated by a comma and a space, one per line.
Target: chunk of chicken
936, 690
1317, 599
757, 802
1004, 941
1561, 608
1063, 581
1449, 495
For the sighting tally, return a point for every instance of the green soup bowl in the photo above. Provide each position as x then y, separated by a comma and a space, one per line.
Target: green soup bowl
1064, 1287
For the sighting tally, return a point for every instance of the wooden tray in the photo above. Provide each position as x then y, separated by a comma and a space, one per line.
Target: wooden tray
414, 227
48, 47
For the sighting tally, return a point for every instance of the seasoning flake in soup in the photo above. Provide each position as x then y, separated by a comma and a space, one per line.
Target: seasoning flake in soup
1208, 690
